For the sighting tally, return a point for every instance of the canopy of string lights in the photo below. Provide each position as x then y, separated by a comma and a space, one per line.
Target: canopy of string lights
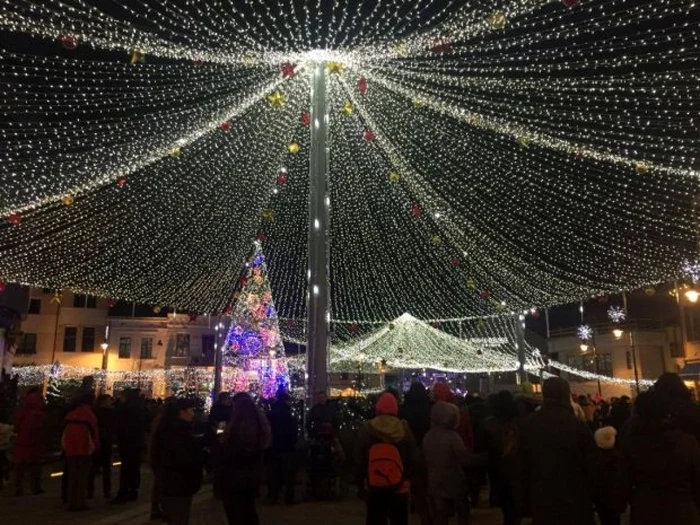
485, 156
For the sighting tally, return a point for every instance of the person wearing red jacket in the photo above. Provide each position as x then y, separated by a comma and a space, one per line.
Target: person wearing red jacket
80, 441
29, 445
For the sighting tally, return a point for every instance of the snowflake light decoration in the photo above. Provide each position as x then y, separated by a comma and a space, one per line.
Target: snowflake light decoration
585, 332
617, 314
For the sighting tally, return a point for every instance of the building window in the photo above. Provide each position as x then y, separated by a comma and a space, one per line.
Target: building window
70, 335
84, 301
605, 364
208, 348
182, 345
147, 348
34, 306
27, 344
124, 347
88, 339
587, 363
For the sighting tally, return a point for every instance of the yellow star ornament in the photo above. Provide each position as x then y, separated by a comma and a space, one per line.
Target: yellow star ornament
276, 99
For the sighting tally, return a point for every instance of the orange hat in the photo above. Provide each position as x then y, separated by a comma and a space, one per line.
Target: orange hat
387, 405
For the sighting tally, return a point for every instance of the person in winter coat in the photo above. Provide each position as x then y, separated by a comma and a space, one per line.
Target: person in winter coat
181, 463
131, 422
556, 460
80, 440
416, 412
282, 455
685, 414
606, 465
102, 461
502, 441
321, 415
445, 458
240, 467
442, 392
385, 457
29, 443
659, 467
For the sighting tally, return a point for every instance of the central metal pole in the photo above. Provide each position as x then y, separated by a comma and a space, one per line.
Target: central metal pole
319, 289
520, 342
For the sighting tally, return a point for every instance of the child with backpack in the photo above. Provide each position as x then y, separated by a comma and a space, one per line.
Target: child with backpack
385, 455
445, 456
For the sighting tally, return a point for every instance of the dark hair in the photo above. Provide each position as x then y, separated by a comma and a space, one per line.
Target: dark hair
651, 408
671, 387
556, 389
86, 399
503, 405
248, 426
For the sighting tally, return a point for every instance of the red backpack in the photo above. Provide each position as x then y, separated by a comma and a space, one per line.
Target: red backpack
385, 468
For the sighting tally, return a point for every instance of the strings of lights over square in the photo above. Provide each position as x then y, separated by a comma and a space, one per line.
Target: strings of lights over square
486, 156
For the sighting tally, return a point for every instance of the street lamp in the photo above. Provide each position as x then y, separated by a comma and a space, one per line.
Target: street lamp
617, 332
692, 295
105, 355
584, 347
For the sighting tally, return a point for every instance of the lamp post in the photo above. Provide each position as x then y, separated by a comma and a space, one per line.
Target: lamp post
584, 348
105, 355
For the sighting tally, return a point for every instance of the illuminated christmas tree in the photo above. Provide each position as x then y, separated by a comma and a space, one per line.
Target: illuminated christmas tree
253, 346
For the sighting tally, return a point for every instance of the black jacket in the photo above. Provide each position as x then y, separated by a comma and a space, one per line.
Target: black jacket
416, 411
131, 422
181, 460
284, 427
557, 460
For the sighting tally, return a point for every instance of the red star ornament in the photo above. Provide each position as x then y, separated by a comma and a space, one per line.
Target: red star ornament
362, 86
305, 118
369, 135
288, 70
225, 126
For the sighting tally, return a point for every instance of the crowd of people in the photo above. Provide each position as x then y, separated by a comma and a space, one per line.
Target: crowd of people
556, 459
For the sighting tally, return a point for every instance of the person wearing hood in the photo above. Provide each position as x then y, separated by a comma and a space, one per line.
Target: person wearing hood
557, 461
80, 440
29, 443
416, 412
607, 459
445, 458
442, 392
386, 455
684, 413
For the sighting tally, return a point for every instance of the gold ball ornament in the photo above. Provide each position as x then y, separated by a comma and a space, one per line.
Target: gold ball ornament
394, 176
524, 141
497, 20
67, 200
641, 168
471, 284
419, 102
156, 309
137, 57
650, 291
294, 148
269, 215
348, 108
176, 152
437, 240
258, 279
276, 99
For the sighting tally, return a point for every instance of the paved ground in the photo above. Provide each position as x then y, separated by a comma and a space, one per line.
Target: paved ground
48, 509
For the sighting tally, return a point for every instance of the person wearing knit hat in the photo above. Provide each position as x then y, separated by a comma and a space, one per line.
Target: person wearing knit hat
606, 475
385, 456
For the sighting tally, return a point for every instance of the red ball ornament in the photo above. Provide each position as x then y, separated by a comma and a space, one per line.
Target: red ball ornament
192, 317
2, 287
69, 42
121, 181
569, 3
225, 126
484, 294
362, 86
455, 261
281, 178
368, 135
535, 314
14, 219
354, 328
435, 324
111, 303
290, 323
415, 210
288, 70
305, 118
228, 310
262, 237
